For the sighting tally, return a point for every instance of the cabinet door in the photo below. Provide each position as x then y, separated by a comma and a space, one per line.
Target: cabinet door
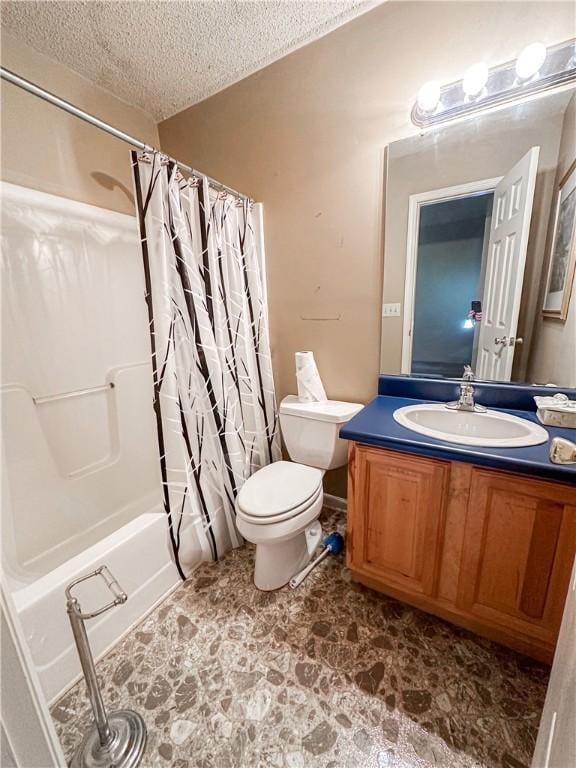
396, 505
519, 545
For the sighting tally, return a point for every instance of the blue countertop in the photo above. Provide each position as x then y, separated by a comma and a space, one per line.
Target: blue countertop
375, 425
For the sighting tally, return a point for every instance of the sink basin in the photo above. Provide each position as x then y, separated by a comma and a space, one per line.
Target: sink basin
493, 429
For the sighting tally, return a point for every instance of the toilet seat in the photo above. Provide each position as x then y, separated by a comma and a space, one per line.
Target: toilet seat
278, 492
289, 515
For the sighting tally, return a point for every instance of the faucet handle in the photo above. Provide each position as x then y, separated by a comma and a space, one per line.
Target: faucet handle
468, 374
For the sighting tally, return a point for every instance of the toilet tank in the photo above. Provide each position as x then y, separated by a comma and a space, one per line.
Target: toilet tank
311, 431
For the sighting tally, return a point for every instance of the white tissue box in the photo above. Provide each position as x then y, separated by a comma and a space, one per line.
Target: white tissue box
557, 411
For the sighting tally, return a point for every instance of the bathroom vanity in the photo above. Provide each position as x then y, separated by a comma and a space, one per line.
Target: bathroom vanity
483, 537
482, 533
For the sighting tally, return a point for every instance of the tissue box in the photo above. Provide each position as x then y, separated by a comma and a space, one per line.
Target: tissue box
557, 411
556, 418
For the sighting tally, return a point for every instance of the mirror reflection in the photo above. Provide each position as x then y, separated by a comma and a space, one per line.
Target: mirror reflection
480, 247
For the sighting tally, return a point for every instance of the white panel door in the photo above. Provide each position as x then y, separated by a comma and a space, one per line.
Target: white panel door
509, 231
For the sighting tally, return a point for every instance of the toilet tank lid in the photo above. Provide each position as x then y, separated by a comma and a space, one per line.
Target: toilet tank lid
335, 411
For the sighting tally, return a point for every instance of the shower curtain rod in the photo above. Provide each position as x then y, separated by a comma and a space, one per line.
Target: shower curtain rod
51, 98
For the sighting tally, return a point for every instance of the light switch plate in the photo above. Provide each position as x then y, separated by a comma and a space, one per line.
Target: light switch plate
391, 310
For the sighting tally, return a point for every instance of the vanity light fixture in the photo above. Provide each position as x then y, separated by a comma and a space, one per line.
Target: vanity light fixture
536, 69
530, 60
429, 96
475, 79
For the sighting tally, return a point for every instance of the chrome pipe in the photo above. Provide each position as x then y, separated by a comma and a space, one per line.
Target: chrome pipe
51, 98
88, 668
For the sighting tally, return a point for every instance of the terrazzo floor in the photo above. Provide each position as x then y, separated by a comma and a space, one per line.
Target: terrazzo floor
332, 675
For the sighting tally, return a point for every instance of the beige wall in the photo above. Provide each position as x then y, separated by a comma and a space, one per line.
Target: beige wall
554, 349
307, 135
473, 150
46, 149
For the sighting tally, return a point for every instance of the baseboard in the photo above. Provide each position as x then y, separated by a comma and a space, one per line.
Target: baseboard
335, 503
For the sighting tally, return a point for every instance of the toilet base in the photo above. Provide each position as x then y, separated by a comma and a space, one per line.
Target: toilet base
282, 548
276, 563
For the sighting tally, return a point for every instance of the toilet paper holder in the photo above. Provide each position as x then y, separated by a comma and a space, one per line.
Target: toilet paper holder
117, 738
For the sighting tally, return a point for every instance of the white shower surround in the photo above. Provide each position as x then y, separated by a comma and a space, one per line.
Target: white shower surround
81, 485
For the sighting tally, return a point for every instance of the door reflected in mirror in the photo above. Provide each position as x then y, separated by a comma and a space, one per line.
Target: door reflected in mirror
470, 219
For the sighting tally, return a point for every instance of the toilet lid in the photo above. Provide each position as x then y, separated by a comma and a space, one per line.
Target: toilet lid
278, 488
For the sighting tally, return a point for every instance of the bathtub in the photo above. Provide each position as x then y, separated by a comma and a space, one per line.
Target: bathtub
138, 556
60, 522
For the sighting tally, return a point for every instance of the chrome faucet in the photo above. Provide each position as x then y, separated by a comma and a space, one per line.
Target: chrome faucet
466, 400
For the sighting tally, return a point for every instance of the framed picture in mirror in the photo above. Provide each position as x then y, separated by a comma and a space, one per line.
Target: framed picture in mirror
562, 262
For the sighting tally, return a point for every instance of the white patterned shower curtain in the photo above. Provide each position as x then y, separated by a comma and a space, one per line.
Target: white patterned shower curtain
213, 388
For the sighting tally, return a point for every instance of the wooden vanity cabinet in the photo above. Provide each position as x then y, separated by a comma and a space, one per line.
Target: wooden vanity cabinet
489, 550
395, 534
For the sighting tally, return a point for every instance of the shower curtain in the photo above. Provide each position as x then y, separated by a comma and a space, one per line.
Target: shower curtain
213, 388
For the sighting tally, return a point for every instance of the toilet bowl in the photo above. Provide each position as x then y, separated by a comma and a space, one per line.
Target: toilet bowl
278, 507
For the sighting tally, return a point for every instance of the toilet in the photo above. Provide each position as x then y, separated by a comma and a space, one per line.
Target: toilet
278, 507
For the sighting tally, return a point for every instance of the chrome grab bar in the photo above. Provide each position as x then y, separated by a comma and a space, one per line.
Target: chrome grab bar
73, 393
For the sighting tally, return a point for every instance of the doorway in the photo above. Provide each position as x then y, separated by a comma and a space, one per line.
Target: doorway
452, 239
465, 273
447, 240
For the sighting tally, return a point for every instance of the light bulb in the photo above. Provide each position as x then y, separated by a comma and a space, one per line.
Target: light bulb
429, 96
530, 61
475, 79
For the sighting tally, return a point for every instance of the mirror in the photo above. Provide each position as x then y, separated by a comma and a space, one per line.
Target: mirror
479, 248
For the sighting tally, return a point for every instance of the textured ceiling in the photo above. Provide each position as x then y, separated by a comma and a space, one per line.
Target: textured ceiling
165, 56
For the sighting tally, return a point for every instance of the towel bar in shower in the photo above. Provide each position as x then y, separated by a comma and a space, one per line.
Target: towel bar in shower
73, 393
